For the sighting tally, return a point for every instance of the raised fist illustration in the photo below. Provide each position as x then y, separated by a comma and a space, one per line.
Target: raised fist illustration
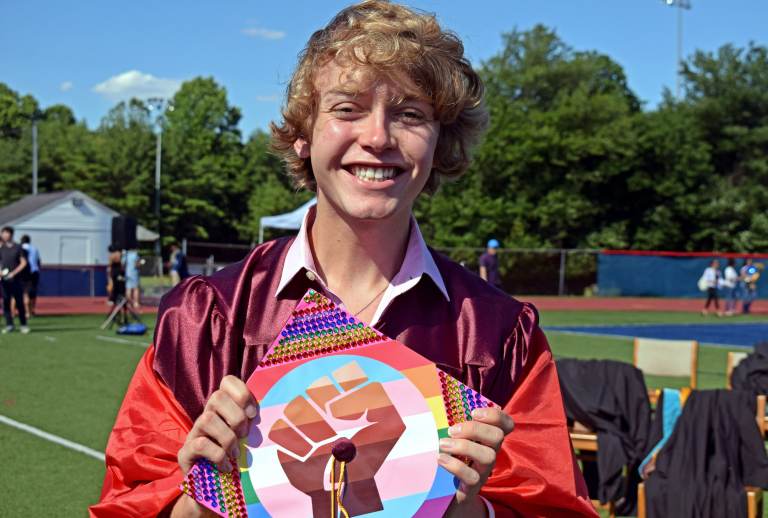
308, 432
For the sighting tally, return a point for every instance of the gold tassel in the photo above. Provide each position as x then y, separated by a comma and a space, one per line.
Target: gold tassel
336, 492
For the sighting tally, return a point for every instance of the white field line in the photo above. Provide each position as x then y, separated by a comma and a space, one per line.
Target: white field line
121, 340
50, 338
52, 438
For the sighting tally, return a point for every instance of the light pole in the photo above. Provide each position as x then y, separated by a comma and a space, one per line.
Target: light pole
34, 156
160, 106
35, 116
680, 4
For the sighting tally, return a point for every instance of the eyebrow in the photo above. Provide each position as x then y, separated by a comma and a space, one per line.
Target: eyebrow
341, 92
397, 99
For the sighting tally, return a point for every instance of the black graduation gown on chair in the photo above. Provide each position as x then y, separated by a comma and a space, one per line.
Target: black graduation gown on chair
713, 453
611, 398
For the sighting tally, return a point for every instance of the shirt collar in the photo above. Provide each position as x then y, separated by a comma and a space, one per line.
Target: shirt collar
418, 261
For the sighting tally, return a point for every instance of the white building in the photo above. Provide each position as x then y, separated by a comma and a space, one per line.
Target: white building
68, 227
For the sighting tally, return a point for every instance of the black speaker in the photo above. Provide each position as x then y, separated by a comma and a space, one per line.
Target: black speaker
124, 233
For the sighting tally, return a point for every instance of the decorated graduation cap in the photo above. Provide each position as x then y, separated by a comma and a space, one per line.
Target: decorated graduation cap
349, 425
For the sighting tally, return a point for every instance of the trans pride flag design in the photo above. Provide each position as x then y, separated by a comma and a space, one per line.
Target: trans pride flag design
326, 378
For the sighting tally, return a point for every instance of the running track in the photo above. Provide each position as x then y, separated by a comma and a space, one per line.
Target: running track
730, 335
97, 305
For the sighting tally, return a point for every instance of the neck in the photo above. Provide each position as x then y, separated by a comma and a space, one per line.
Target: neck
357, 258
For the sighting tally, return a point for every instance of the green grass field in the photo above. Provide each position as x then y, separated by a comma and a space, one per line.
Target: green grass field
68, 378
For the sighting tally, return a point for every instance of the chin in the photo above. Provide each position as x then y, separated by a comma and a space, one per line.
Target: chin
371, 211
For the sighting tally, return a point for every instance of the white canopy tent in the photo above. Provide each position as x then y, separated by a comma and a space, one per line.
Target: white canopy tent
289, 220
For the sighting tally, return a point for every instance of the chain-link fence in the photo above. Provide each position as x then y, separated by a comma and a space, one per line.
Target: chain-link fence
538, 271
524, 271
206, 258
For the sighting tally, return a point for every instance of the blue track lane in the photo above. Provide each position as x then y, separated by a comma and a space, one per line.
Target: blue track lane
739, 335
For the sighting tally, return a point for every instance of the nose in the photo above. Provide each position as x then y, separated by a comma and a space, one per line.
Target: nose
375, 131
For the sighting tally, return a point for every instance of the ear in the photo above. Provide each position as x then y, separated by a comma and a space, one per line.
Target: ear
301, 146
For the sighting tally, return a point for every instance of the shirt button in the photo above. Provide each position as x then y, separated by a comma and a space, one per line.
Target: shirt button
310, 276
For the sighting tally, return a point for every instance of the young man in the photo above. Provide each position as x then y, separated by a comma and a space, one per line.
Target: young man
382, 105
712, 278
177, 265
32, 254
489, 264
132, 284
12, 263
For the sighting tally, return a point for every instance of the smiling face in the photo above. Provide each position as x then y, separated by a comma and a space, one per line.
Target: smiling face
372, 145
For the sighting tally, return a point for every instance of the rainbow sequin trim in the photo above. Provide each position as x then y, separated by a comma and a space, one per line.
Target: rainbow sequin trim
459, 399
320, 328
220, 492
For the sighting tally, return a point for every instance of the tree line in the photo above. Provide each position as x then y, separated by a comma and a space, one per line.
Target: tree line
571, 158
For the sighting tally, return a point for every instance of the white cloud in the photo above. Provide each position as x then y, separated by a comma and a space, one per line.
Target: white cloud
66, 86
136, 84
266, 34
267, 98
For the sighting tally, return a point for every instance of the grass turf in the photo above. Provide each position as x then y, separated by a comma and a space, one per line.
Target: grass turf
68, 378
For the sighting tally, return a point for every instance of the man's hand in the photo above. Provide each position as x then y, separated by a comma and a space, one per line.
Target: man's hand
478, 440
215, 434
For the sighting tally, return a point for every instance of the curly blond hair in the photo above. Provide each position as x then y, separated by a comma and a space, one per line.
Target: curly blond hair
387, 38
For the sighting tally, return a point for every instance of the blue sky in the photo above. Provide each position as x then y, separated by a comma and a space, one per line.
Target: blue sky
90, 54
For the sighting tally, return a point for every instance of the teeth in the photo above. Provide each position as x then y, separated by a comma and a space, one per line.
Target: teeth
374, 174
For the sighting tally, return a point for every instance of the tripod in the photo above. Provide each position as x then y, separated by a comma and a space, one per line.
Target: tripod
122, 306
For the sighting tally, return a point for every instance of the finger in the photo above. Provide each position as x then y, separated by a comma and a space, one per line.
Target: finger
211, 425
202, 447
308, 420
481, 456
477, 431
283, 434
495, 417
322, 390
240, 394
466, 474
350, 375
371, 398
222, 404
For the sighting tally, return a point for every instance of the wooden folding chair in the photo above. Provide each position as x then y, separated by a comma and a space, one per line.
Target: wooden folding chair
678, 358
754, 501
584, 442
754, 494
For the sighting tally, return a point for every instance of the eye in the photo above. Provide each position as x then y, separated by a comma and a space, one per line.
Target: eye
411, 116
345, 111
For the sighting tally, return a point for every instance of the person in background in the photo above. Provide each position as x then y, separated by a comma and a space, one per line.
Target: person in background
12, 263
712, 278
32, 275
749, 275
178, 265
115, 276
489, 264
131, 262
730, 287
